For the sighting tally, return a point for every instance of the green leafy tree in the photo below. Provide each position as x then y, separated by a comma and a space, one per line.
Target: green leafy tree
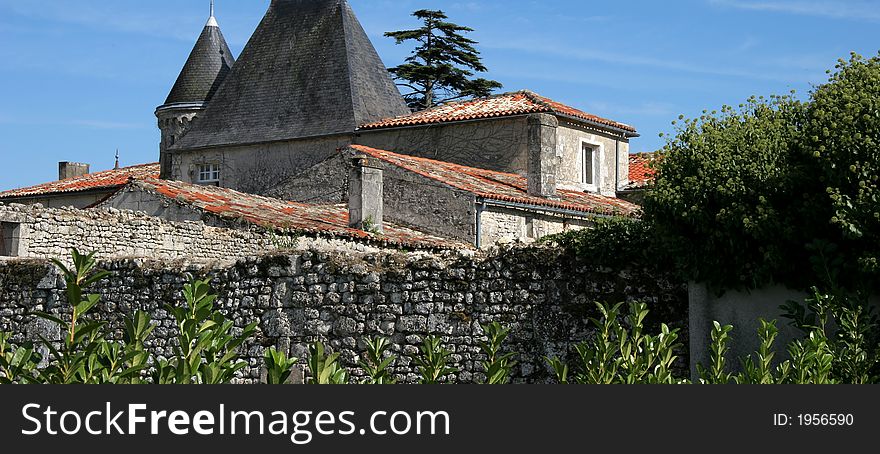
843, 135
736, 200
442, 66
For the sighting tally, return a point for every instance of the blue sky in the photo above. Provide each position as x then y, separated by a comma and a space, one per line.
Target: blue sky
79, 79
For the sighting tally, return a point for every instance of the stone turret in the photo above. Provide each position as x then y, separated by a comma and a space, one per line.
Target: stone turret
205, 70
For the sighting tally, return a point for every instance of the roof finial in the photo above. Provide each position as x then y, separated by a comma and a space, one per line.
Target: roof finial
212, 21
116, 167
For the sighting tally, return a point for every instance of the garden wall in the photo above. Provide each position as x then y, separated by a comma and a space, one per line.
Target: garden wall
744, 311
341, 297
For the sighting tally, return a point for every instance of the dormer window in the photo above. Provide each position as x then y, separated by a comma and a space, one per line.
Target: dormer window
589, 165
209, 174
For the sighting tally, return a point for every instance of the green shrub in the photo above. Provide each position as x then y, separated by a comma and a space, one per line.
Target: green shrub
613, 242
207, 347
498, 365
17, 364
325, 368
620, 353
278, 366
433, 361
378, 362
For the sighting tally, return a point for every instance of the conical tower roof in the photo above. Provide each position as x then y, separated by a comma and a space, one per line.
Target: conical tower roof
308, 70
207, 67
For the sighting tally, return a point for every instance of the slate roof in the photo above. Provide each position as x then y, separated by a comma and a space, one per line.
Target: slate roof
308, 70
500, 186
205, 70
324, 220
640, 173
504, 105
110, 179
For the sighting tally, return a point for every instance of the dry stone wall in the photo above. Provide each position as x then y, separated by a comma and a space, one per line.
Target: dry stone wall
544, 295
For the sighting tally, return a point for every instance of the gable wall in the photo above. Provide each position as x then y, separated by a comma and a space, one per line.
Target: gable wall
261, 168
568, 143
499, 144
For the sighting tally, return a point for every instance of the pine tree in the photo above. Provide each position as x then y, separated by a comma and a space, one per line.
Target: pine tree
442, 67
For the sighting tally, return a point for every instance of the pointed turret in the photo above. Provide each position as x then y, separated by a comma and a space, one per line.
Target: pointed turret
205, 70
309, 70
208, 65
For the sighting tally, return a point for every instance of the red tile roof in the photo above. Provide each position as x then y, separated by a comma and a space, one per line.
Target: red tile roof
517, 103
324, 220
110, 179
505, 187
640, 172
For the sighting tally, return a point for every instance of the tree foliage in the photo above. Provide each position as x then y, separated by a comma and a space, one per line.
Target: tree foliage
760, 194
843, 135
442, 66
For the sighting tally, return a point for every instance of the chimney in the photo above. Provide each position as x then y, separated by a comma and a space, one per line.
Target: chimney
72, 169
365, 195
542, 155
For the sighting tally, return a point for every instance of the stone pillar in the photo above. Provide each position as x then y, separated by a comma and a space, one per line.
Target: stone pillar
365, 195
542, 155
72, 169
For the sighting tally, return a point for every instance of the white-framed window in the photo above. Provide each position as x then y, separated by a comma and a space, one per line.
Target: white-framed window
208, 174
589, 162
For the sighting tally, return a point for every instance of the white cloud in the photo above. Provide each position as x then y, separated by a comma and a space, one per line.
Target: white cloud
839, 9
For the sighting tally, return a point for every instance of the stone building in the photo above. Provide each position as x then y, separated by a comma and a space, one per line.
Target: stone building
77, 188
309, 115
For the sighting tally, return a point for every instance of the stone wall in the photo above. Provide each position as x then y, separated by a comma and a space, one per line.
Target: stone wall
545, 296
52, 232
500, 225
569, 138
499, 144
260, 168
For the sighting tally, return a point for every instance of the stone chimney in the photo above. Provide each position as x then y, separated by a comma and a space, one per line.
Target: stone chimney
72, 169
365, 195
542, 155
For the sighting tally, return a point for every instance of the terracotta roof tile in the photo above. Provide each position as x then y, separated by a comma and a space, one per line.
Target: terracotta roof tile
516, 103
325, 220
640, 172
108, 179
506, 187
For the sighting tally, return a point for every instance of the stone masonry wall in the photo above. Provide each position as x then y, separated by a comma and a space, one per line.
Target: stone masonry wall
52, 232
544, 295
503, 225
